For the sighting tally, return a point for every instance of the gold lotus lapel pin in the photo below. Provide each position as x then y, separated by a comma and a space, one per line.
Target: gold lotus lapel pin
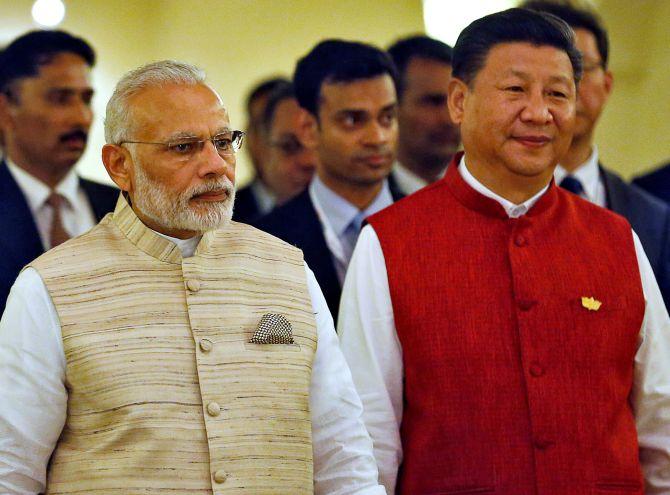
273, 329
591, 303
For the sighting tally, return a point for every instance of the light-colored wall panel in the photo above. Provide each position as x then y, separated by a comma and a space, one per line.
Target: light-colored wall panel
634, 132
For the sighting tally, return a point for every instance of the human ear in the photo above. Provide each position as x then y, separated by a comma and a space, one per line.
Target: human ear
117, 161
458, 91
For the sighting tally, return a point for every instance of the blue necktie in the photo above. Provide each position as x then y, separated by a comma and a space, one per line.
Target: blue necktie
350, 234
569, 183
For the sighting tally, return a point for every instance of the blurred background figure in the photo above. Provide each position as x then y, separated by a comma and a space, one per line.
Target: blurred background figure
45, 116
349, 92
289, 164
580, 170
259, 197
427, 136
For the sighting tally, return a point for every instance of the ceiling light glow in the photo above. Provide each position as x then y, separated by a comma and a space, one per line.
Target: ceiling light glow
48, 13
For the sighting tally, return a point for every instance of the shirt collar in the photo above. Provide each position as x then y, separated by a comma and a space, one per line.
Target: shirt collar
588, 173
36, 192
512, 210
341, 212
186, 246
264, 197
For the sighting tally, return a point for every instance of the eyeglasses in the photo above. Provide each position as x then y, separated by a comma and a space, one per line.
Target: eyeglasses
289, 146
226, 143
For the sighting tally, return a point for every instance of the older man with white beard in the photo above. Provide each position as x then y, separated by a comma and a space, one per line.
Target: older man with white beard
169, 348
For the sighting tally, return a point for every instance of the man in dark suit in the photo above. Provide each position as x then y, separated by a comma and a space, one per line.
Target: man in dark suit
580, 170
427, 137
349, 92
45, 116
656, 182
276, 181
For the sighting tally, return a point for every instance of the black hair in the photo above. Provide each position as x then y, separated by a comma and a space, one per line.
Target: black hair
511, 26
264, 88
338, 61
404, 50
24, 56
280, 93
577, 18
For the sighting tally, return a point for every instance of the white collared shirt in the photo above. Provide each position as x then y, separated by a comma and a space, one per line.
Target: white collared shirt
370, 344
76, 214
33, 397
588, 173
408, 182
265, 199
336, 213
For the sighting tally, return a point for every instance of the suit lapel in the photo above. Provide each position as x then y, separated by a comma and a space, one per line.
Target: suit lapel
19, 236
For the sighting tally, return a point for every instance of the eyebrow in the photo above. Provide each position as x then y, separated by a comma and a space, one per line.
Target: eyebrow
525, 76
191, 135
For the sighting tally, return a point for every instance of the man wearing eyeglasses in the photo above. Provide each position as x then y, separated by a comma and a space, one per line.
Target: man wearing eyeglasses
580, 170
45, 116
170, 348
289, 164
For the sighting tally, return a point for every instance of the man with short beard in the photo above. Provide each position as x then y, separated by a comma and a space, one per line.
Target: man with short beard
45, 116
171, 348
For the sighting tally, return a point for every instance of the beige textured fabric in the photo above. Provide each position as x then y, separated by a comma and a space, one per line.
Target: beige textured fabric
166, 395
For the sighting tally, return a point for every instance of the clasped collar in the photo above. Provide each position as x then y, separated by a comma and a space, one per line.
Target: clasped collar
148, 241
490, 204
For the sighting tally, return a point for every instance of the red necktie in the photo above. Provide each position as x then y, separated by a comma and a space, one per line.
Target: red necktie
57, 234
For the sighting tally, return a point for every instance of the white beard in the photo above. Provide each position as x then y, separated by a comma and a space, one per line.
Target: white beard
173, 210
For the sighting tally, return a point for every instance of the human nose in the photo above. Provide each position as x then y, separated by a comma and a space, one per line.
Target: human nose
212, 163
377, 133
536, 110
81, 113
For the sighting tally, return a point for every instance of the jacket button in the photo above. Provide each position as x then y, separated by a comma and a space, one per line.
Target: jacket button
220, 476
520, 241
213, 409
206, 345
536, 370
526, 304
542, 443
193, 285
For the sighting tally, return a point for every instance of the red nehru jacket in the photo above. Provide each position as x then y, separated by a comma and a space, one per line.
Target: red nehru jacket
518, 340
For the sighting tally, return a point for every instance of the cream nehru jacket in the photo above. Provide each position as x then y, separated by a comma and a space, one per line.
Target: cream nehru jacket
166, 395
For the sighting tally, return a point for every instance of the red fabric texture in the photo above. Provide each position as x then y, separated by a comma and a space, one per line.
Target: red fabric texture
512, 386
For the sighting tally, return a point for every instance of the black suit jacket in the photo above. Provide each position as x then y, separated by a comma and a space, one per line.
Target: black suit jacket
650, 219
246, 208
297, 223
19, 239
656, 182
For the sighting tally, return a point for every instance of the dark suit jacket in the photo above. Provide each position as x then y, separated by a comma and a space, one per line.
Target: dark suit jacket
246, 208
650, 219
656, 182
19, 240
297, 223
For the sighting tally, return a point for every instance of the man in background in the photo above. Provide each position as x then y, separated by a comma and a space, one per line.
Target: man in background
580, 170
288, 159
656, 182
349, 91
427, 137
45, 116
273, 184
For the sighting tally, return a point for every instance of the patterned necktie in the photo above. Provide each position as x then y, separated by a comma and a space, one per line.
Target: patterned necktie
351, 235
57, 234
570, 183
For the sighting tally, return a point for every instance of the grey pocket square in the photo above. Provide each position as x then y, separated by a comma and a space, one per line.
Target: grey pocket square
273, 329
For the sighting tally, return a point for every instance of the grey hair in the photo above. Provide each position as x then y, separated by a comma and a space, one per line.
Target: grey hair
118, 118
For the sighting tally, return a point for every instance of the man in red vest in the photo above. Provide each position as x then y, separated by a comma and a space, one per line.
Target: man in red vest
506, 336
